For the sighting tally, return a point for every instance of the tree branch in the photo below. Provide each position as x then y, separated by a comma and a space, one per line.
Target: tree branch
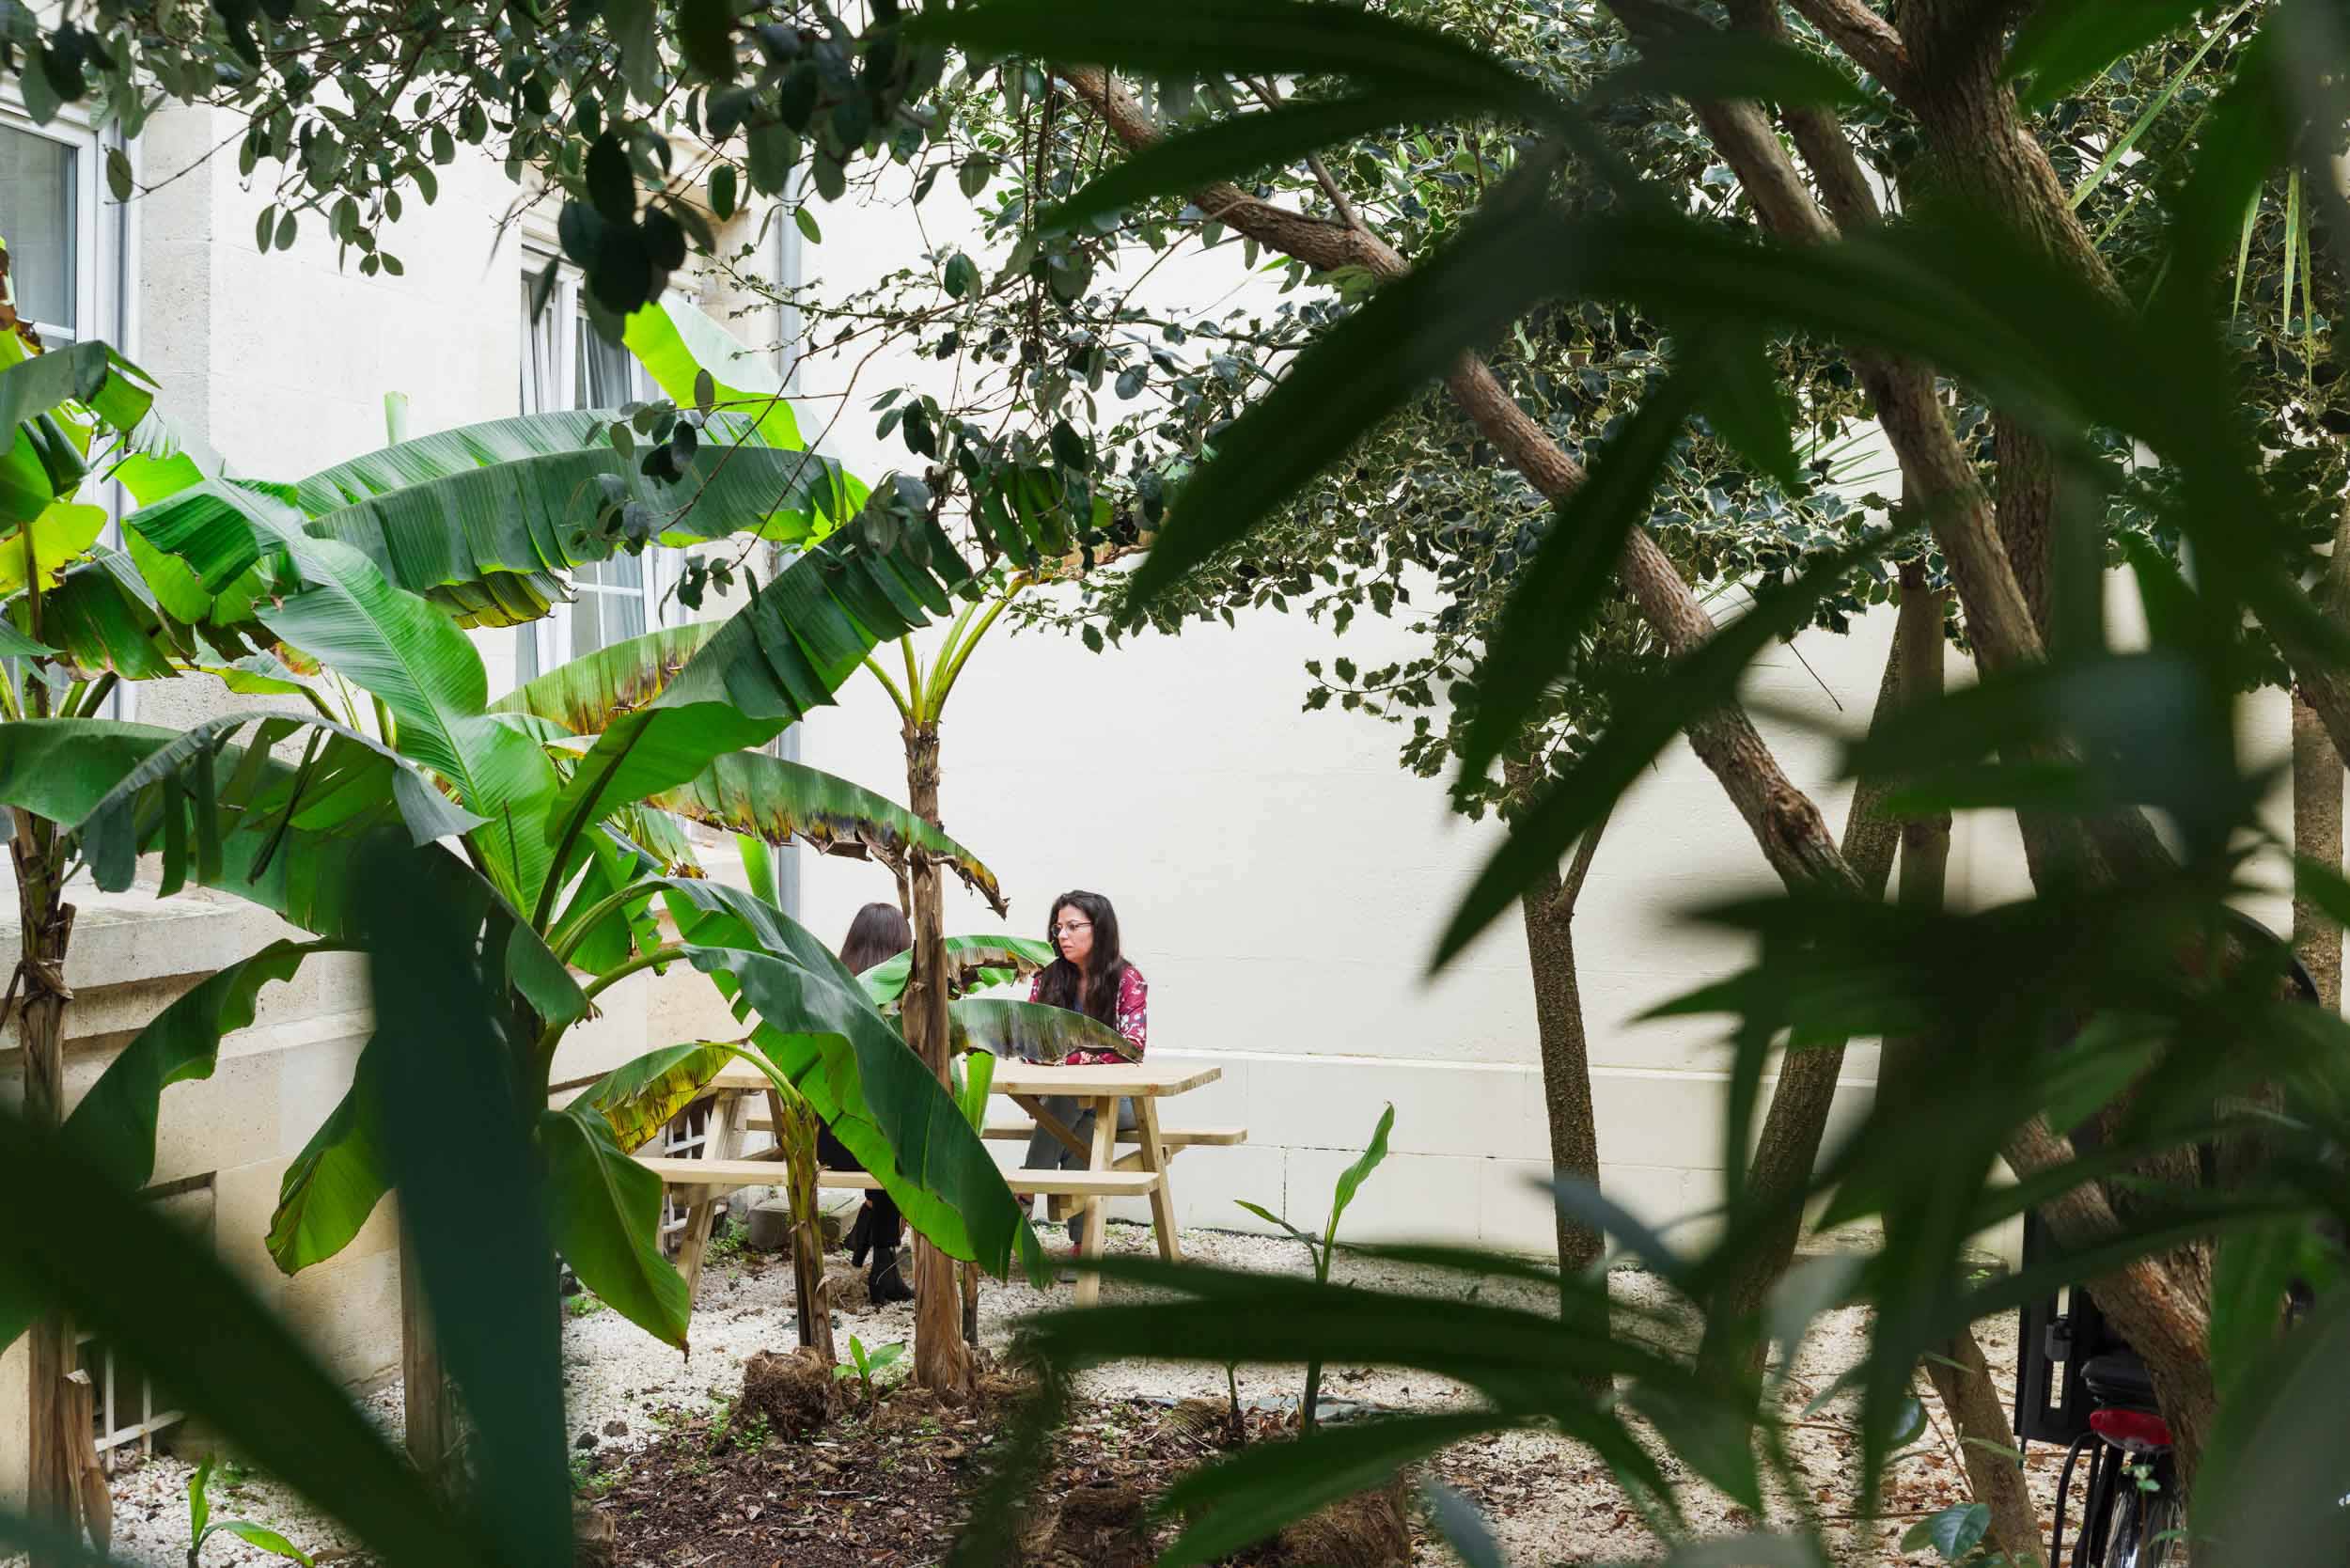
1868, 37
1785, 820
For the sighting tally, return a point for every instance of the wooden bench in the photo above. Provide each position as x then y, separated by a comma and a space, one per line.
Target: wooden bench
719, 1177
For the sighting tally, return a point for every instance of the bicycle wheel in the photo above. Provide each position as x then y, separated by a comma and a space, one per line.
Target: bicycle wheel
2144, 1530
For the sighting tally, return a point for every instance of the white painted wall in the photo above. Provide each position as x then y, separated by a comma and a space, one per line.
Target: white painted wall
1282, 880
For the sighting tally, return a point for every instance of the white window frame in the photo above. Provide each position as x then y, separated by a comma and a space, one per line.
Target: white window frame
105, 305
91, 248
550, 633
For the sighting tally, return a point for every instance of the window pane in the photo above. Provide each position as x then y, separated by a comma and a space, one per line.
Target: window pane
37, 214
623, 616
541, 392
625, 571
603, 378
587, 630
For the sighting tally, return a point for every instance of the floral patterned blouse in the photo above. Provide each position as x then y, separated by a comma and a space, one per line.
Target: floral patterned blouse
1133, 1016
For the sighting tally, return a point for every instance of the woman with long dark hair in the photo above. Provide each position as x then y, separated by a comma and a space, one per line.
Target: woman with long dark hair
879, 933
1090, 975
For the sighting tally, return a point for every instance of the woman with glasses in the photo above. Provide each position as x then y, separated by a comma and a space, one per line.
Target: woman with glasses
1088, 975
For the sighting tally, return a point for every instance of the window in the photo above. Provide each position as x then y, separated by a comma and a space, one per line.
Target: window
44, 214
66, 255
566, 364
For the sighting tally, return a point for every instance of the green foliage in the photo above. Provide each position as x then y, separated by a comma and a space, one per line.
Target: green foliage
865, 1365
1318, 1250
202, 1526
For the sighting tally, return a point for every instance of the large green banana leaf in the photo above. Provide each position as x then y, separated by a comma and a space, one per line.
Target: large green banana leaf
589, 692
749, 791
742, 792
608, 1222
104, 617
40, 457
399, 650
677, 344
816, 1028
80, 772
114, 1123
973, 963
643, 1095
335, 1183
606, 1208
290, 837
91, 374
481, 519
1030, 1031
782, 654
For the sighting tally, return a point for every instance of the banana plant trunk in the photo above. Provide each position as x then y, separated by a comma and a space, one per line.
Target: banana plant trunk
57, 1447
795, 1129
941, 1363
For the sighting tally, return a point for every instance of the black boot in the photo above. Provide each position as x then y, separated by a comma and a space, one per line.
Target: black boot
861, 1235
884, 1283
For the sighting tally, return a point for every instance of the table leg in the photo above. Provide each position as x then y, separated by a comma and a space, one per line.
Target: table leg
1034, 1105
1154, 1160
724, 1141
1094, 1221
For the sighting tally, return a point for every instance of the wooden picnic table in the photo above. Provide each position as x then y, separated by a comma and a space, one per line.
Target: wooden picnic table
1105, 1174
1099, 1089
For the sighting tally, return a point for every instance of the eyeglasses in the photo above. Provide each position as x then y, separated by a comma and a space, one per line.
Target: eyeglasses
1072, 930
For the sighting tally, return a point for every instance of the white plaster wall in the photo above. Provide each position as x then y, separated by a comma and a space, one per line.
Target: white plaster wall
1282, 880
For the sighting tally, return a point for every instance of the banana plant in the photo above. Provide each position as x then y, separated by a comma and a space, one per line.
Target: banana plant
511, 813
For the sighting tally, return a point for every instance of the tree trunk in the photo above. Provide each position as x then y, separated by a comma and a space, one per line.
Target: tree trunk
1960, 1375
56, 1444
2317, 760
2316, 836
1788, 1147
1547, 906
811, 1298
429, 1407
1980, 1418
941, 1363
1785, 823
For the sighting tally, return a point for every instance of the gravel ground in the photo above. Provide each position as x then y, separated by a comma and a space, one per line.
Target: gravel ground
1549, 1500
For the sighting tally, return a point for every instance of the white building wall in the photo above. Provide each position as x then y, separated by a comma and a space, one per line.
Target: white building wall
1282, 880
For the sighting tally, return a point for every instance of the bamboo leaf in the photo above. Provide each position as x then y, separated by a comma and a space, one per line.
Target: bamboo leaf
159, 1296
2065, 42
1243, 144
1248, 1497
475, 1207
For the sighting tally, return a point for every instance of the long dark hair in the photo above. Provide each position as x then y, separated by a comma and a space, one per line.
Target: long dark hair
1102, 973
879, 932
